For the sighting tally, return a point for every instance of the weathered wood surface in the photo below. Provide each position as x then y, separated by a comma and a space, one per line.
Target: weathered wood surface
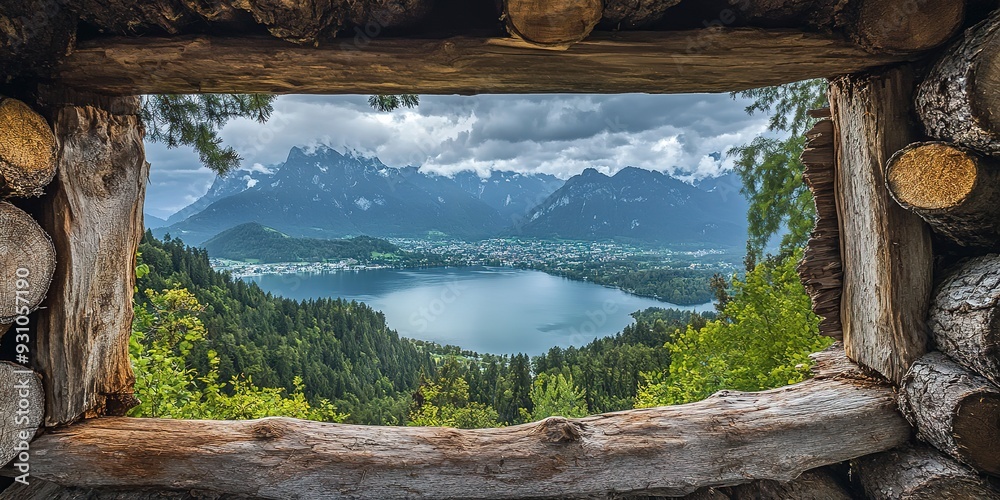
34, 35
22, 401
816, 484
959, 101
631, 14
876, 25
304, 21
38, 489
965, 315
953, 409
894, 26
94, 214
27, 150
728, 439
954, 189
821, 269
886, 250
27, 262
557, 23
655, 62
918, 472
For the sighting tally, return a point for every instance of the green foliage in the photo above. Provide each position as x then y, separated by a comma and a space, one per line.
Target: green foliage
556, 395
677, 286
391, 102
444, 402
195, 120
762, 341
165, 331
771, 170
609, 369
343, 351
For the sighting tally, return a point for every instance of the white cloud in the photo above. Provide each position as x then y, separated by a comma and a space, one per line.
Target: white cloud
556, 134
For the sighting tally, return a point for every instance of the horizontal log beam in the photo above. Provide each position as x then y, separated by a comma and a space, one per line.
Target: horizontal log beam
710, 60
728, 439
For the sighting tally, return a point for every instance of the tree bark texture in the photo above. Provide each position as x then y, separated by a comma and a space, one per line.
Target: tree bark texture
728, 439
821, 269
918, 472
954, 409
653, 62
94, 214
965, 315
959, 100
886, 250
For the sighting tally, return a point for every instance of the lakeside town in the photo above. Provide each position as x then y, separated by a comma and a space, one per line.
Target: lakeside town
547, 255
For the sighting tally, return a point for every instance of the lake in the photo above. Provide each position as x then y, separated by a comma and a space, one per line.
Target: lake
484, 309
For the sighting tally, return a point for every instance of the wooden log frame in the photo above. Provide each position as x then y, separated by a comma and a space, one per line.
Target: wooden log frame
728, 439
954, 189
302, 22
631, 14
965, 315
27, 262
34, 35
953, 409
879, 26
22, 402
817, 484
554, 23
94, 214
886, 251
27, 150
959, 100
654, 62
821, 269
918, 472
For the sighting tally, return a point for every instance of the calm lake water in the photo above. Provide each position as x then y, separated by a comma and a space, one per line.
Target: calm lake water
485, 309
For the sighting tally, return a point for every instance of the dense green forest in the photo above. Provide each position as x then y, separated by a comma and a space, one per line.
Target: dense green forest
677, 286
253, 242
342, 351
209, 346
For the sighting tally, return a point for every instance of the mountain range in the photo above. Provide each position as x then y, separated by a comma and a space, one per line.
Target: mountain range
639, 205
322, 193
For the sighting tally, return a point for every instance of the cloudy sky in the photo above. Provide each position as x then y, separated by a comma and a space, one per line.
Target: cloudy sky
556, 134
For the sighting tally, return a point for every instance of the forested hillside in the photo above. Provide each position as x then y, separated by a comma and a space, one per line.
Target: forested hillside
253, 242
343, 351
338, 360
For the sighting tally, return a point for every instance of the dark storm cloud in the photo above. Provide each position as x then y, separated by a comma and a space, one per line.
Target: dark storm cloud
557, 134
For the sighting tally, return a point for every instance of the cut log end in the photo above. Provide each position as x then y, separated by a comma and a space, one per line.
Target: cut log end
984, 98
918, 472
931, 176
27, 262
552, 23
894, 26
27, 150
977, 433
954, 409
21, 394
